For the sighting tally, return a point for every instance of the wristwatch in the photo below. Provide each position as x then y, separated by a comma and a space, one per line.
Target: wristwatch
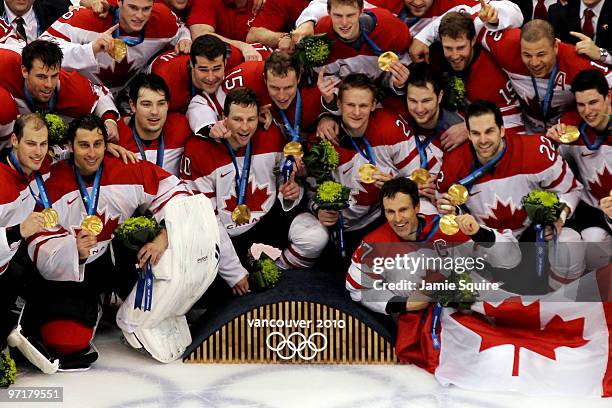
603, 54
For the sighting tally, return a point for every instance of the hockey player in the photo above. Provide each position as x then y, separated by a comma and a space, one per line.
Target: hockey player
405, 224
274, 23
38, 84
252, 202
592, 154
92, 195
19, 167
540, 69
152, 132
201, 72
499, 169
367, 137
110, 51
292, 106
358, 32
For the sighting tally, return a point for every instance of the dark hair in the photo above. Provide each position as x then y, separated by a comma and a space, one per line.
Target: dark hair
49, 53
209, 47
240, 96
280, 63
401, 185
36, 119
87, 122
535, 30
456, 25
358, 3
149, 81
359, 81
482, 107
590, 79
421, 74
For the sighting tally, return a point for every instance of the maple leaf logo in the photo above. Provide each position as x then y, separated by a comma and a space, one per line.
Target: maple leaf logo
255, 198
368, 195
118, 74
513, 323
601, 184
533, 109
110, 225
505, 215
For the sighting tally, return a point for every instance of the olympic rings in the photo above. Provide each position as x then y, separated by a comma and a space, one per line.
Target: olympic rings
289, 343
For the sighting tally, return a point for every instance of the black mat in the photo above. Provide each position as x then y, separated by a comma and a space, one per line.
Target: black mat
297, 285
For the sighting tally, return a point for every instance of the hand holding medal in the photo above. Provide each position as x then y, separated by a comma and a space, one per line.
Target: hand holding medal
457, 195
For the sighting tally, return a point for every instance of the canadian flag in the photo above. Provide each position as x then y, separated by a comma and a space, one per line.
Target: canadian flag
531, 346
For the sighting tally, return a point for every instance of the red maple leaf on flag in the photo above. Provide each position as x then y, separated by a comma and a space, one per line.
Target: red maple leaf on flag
602, 184
254, 199
110, 225
505, 216
367, 196
519, 325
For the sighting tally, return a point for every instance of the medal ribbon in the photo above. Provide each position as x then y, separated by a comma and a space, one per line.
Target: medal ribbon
435, 225
130, 41
43, 197
435, 321
341, 235
422, 146
91, 202
144, 288
160, 147
474, 175
33, 106
368, 154
294, 131
598, 140
407, 18
241, 179
365, 37
550, 90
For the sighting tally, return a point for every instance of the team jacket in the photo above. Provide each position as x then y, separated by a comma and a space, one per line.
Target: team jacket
123, 189
529, 163
208, 168
76, 30
175, 132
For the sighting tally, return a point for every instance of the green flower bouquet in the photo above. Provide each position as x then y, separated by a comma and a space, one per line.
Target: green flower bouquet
454, 93
331, 195
542, 207
264, 275
8, 370
135, 232
460, 299
313, 50
57, 129
321, 160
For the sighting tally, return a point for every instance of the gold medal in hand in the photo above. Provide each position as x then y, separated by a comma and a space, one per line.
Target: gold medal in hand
293, 149
241, 214
92, 224
50, 217
458, 194
119, 50
420, 176
385, 59
570, 136
448, 224
366, 173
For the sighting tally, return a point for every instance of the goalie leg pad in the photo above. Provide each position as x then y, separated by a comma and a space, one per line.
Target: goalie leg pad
183, 274
31, 352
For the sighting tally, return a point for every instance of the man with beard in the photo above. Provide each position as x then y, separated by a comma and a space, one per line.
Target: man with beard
540, 68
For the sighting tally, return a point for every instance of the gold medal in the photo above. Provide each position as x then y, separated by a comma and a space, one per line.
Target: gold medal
50, 217
420, 176
570, 136
93, 224
119, 50
241, 214
293, 149
366, 173
458, 193
448, 224
385, 59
